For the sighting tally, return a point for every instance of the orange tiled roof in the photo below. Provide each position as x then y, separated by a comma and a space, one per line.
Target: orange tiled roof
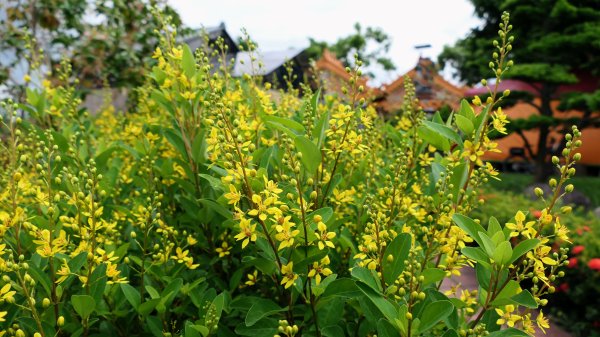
329, 62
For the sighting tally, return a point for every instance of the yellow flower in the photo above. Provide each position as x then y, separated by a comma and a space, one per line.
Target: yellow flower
319, 269
288, 275
506, 316
113, 274
191, 240
324, 236
6, 294
247, 232
182, 255
47, 247
561, 231
285, 232
542, 322
2, 315
271, 187
520, 228
252, 278
499, 121
64, 272
223, 250
233, 196
262, 207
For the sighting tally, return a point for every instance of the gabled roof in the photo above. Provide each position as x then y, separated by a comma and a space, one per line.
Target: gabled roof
438, 80
586, 83
196, 39
271, 60
329, 62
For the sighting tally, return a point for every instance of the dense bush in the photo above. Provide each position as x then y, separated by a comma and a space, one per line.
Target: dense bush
214, 209
574, 303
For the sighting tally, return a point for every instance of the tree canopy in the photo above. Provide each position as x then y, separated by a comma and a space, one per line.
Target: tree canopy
107, 40
556, 42
371, 45
553, 38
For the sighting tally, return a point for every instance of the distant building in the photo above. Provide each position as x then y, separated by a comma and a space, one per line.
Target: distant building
514, 144
197, 40
432, 90
334, 76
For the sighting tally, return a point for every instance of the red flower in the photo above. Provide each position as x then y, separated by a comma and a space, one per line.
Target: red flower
594, 264
572, 263
563, 287
586, 228
577, 249
537, 214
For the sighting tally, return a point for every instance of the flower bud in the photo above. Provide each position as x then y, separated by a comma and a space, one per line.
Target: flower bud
60, 321
555, 160
539, 192
569, 188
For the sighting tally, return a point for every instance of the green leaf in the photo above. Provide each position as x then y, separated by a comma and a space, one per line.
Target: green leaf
146, 308
510, 332
445, 131
469, 226
84, 305
290, 124
450, 333
397, 251
343, 287
176, 140
503, 253
188, 63
433, 138
266, 327
511, 289
464, 124
311, 155
460, 174
386, 329
367, 276
199, 148
475, 253
433, 275
488, 244
332, 331
493, 226
483, 274
131, 294
385, 307
466, 110
522, 248
260, 309
195, 330
216, 207
525, 299
215, 183
433, 313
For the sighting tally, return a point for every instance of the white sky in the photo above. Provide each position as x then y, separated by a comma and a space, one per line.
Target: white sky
281, 24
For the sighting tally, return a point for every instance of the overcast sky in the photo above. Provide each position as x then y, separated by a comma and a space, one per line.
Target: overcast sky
281, 24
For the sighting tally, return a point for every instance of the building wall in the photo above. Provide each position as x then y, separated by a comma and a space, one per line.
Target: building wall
590, 136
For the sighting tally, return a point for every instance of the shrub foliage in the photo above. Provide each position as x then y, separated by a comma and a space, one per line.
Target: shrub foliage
215, 209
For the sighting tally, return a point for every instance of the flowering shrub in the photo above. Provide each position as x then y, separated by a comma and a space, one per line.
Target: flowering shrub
215, 209
575, 303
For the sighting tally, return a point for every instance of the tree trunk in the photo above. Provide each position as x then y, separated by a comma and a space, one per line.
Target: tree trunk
541, 165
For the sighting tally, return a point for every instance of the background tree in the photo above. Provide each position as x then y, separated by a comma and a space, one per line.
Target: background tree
371, 45
107, 40
555, 41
